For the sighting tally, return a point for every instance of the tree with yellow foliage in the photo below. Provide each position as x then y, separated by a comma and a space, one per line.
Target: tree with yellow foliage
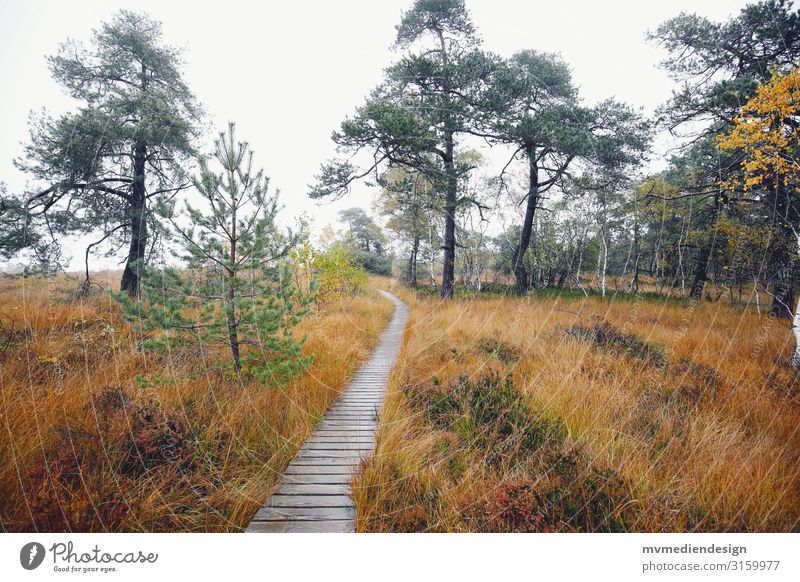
767, 132
767, 129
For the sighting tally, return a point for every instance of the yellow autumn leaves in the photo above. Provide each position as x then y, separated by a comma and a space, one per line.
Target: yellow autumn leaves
766, 131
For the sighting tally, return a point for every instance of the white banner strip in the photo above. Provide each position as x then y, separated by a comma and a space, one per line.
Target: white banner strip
408, 557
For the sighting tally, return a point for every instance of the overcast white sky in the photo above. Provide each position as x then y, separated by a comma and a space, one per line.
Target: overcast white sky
289, 72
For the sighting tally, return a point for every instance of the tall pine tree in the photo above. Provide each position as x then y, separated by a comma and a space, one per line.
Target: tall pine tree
413, 120
101, 167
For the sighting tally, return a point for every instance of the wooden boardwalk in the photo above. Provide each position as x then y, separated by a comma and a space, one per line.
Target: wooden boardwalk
313, 494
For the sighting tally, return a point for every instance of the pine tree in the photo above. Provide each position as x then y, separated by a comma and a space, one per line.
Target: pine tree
101, 168
237, 288
429, 99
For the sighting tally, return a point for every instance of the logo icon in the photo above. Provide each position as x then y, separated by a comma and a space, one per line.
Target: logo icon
31, 555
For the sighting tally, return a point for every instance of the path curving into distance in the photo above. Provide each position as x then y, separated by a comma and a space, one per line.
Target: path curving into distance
313, 493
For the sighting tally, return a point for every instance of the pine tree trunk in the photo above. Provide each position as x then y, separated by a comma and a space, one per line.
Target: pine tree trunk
138, 220
451, 193
703, 257
449, 263
233, 336
781, 257
700, 273
635, 279
520, 272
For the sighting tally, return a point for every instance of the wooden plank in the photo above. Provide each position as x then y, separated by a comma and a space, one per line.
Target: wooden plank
310, 501
337, 445
313, 489
320, 461
328, 434
343, 453
344, 422
316, 479
364, 427
328, 469
368, 411
351, 445
336, 436
365, 396
366, 431
352, 457
367, 439
343, 439
360, 399
302, 526
350, 414
304, 513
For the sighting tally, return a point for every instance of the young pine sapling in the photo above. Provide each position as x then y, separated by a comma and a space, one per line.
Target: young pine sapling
236, 288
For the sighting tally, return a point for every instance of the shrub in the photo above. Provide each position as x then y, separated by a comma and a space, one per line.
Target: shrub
559, 501
371, 262
158, 437
488, 413
336, 274
69, 489
605, 336
503, 351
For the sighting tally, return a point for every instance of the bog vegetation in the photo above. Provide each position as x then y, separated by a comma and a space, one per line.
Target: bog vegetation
101, 435
586, 414
595, 345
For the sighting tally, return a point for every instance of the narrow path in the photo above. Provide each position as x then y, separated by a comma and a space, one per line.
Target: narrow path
314, 493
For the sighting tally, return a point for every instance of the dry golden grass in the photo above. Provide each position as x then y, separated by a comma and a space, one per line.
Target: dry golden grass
690, 426
98, 436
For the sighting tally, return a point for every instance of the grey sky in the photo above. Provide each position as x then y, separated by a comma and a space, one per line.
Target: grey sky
289, 72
